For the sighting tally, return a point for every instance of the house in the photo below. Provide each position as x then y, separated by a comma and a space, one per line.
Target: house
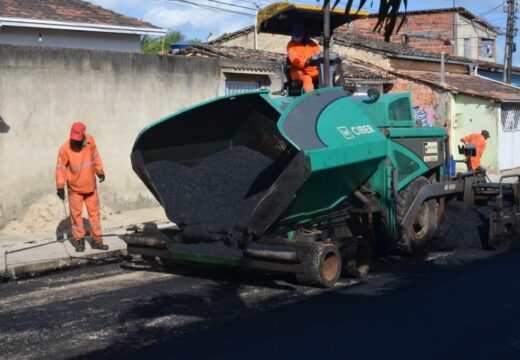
70, 24
358, 77
455, 31
241, 69
473, 103
465, 102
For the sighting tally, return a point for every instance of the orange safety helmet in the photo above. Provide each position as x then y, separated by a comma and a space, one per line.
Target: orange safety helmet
77, 131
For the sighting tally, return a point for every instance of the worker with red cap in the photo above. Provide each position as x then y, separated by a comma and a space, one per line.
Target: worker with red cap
299, 50
479, 140
77, 166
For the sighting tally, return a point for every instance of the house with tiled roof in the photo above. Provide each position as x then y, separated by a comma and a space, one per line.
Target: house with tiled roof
70, 24
358, 76
462, 100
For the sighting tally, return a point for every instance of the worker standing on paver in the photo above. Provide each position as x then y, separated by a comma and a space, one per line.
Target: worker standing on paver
299, 50
479, 140
78, 164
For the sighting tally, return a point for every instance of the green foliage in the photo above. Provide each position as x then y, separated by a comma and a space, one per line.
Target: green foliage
153, 45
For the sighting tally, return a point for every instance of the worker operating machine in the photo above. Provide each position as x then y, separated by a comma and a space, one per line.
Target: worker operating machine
311, 184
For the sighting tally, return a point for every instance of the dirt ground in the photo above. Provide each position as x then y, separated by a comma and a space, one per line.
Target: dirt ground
46, 218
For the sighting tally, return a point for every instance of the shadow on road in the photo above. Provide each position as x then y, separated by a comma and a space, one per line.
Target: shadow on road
462, 306
63, 230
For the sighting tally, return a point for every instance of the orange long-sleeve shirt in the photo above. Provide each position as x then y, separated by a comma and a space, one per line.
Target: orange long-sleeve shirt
298, 54
78, 167
480, 143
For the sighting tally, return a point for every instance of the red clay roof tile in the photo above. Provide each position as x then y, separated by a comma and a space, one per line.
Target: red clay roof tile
75, 11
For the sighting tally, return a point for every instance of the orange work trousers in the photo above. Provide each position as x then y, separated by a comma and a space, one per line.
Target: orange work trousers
91, 201
307, 76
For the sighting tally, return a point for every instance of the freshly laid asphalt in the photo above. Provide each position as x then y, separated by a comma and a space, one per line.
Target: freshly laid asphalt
462, 305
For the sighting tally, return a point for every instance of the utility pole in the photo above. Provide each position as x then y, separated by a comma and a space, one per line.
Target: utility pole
326, 46
255, 39
510, 38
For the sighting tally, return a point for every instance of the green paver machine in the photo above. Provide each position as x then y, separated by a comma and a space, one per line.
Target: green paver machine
310, 184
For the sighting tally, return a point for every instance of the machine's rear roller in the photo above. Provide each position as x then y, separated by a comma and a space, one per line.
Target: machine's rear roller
321, 265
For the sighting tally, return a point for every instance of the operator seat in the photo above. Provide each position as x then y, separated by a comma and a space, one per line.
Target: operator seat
295, 87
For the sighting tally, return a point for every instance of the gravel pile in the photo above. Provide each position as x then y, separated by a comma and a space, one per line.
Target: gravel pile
217, 196
462, 229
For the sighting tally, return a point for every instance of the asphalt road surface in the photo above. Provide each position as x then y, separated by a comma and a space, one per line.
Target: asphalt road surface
462, 305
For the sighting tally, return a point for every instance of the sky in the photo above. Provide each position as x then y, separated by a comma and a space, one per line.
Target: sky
203, 19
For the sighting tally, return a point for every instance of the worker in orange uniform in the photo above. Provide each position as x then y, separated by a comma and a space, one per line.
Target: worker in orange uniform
479, 140
299, 50
78, 164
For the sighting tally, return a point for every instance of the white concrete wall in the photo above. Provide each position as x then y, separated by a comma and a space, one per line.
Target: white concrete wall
44, 90
69, 39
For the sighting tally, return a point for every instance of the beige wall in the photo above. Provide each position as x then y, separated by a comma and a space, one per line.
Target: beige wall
43, 90
268, 42
472, 115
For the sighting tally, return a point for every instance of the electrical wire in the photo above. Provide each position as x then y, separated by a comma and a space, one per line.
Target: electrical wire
230, 4
492, 10
212, 8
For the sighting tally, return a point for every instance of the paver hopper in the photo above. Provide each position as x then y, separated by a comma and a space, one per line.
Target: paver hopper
244, 170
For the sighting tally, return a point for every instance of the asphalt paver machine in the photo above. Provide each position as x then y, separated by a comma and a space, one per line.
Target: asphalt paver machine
310, 184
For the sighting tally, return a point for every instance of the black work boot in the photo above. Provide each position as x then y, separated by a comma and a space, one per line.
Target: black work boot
79, 245
99, 246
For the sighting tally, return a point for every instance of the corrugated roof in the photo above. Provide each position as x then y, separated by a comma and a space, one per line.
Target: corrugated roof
231, 52
75, 11
352, 69
466, 84
356, 40
353, 39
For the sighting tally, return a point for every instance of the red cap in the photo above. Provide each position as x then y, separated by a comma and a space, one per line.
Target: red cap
77, 131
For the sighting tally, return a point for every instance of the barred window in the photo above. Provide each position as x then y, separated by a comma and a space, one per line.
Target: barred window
511, 117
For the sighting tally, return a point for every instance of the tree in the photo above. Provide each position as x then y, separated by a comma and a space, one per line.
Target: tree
153, 45
387, 15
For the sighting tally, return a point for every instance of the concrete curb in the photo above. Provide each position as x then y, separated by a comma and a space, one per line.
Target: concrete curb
37, 257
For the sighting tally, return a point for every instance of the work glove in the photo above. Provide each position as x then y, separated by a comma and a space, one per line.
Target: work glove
61, 193
101, 177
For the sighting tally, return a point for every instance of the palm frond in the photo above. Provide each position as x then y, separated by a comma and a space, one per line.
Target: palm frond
387, 16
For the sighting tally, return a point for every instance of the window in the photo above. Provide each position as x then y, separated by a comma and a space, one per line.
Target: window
487, 48
238, 87
511, 117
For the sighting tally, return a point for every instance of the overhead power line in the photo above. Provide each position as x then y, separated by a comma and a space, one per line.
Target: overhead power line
492, 10
233, 5
214, 8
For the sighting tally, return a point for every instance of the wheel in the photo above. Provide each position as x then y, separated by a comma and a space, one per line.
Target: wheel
416, 239
355, 257
321, 265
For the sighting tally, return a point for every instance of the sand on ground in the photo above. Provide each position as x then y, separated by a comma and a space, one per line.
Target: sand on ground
45, 218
